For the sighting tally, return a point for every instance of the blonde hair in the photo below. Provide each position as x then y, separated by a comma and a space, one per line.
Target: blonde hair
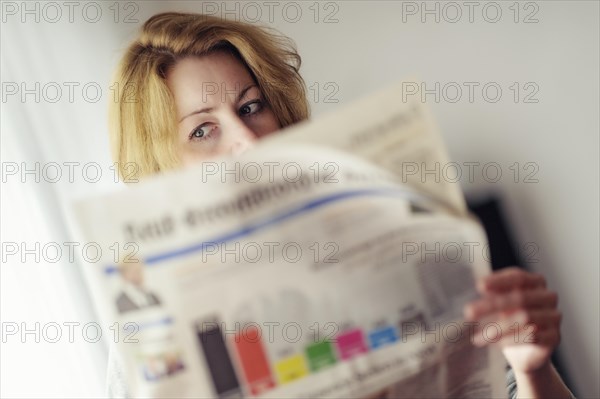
142, 120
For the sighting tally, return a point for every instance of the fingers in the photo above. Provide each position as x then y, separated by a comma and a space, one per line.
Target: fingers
505, 338
515, 308
509, 279
522, 327
545, 319
510, 302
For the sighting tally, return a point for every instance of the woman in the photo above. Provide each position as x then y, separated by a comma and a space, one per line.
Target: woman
195, 87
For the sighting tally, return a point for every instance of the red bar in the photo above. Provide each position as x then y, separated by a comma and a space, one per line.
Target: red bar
254, 360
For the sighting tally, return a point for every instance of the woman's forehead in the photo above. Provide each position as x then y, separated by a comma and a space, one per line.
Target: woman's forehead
218, 67
208, 79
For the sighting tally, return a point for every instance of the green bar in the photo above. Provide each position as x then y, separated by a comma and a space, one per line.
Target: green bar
320, 355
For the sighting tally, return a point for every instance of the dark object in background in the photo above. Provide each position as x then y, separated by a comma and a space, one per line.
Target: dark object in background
503, 252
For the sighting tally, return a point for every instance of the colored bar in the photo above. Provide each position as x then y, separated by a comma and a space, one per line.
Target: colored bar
254, 361
291, 369
382, 336
320, 355
351, 343
218, 361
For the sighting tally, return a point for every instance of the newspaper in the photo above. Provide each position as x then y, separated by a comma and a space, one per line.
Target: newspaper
318, 264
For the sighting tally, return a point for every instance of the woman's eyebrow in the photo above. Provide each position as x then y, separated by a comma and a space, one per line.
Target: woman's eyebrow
210, 109
200, 111
244, 91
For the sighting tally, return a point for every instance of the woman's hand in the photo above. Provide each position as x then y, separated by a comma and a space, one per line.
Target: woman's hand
526, 323
525, 316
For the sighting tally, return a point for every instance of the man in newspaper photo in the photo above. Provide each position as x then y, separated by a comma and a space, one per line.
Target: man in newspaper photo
134, 296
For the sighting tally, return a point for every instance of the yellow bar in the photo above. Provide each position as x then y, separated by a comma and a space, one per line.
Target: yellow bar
291, 368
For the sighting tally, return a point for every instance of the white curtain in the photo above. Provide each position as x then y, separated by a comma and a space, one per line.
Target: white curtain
49, 326
57, 61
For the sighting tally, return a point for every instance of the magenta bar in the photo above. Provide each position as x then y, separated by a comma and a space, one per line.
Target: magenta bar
351, 343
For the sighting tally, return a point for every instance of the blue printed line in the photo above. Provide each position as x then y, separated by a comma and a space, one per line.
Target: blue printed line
153, 260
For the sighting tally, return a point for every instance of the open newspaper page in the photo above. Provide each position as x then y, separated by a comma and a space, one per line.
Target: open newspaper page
318, 264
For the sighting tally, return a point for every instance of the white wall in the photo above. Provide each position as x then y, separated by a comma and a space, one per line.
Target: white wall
372, 44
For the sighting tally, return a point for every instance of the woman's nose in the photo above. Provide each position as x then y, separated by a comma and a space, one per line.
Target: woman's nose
241, 137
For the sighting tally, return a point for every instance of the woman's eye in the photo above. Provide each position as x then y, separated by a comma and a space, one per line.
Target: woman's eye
200, 132
251, 108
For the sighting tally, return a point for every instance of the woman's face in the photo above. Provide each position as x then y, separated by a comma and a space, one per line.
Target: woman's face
220, 109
